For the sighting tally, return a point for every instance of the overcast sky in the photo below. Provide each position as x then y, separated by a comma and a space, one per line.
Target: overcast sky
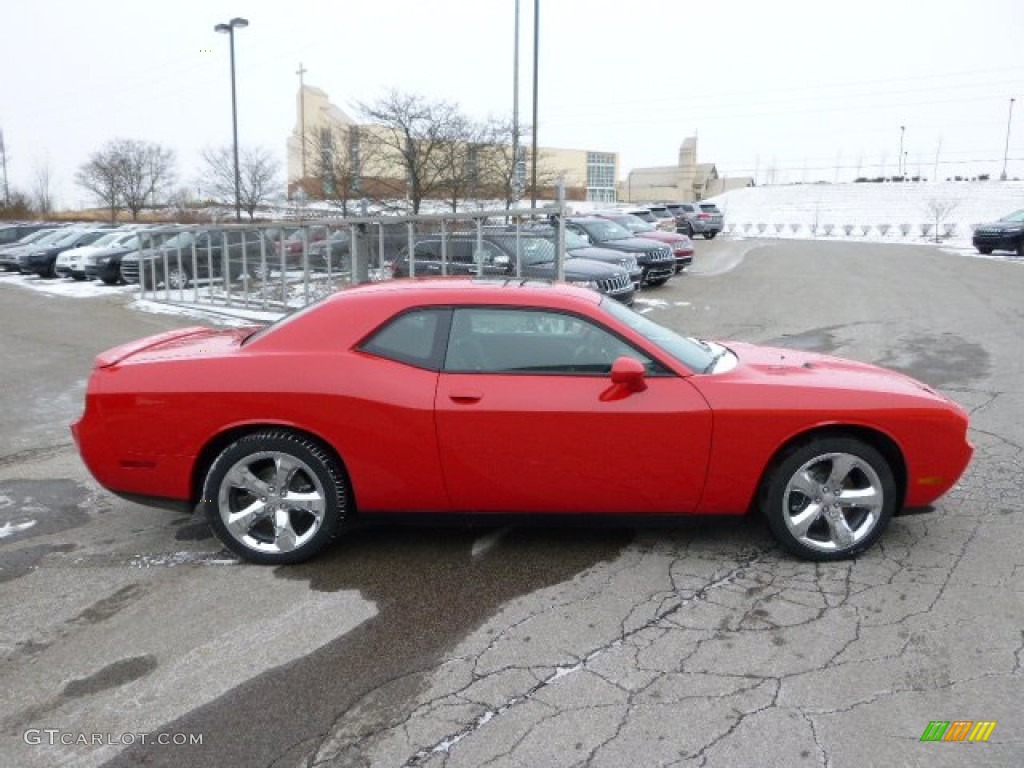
814, 89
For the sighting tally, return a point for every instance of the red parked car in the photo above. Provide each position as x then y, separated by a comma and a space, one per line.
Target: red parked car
507, 396
682, 246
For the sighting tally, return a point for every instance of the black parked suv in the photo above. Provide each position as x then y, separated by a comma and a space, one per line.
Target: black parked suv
578, 247
193, 254
656, 259
1007, 234
495, 256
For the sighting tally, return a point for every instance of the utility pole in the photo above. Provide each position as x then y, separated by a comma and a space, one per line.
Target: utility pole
302, 116
1006, 152
536, 58
3, 157
515, 108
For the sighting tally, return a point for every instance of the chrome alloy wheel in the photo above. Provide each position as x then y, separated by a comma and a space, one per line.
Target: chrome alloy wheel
271, 502
832, 502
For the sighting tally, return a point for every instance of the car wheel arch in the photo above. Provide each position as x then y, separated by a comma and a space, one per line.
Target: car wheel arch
216, 445
877, 439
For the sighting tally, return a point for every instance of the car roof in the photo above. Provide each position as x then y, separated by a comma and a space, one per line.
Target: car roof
473, 290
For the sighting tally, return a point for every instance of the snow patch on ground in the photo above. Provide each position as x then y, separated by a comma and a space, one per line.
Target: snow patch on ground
75, 289
233, 317
172, 559
9, 528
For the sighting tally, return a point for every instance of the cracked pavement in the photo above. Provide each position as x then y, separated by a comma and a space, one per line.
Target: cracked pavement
698, 644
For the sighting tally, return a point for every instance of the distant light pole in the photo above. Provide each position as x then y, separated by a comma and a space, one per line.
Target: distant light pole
536, 57
899, 159
1006, 150
230, 29
516, 178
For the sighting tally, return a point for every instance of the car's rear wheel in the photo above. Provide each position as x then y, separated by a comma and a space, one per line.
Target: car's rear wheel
830, 498
1020, 247
984, 251
689, 230
710, 235
275, 497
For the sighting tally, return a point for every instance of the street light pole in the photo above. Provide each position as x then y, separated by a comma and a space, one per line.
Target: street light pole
1006, 150
230, 29
899, 159
536, 57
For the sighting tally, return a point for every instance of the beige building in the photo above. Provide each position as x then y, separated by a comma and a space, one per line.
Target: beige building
684, 181
585, 174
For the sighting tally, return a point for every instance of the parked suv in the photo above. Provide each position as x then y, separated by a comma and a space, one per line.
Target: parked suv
1007, 234
697, 219
655, 259
12, 233
194, 254
496, 255
41, 259
681, 245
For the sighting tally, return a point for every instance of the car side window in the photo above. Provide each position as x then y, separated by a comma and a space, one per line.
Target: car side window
413, 338
497, 340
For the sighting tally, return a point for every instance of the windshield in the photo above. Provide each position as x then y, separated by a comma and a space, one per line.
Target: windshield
1015, 216
35, 237
695, 355
68, 238
634, 223
113, 237
181, 240
606, 230
532, 249
52, 237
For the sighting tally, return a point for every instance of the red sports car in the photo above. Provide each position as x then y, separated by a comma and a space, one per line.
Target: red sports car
507, 397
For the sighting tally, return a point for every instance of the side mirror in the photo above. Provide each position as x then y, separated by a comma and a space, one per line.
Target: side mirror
628, 373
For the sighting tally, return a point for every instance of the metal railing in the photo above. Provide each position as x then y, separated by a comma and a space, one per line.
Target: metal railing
282, 266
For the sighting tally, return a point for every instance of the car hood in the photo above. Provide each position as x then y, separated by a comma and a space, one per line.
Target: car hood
1001, 226
777, 367
576, 269
633, 244
594, 252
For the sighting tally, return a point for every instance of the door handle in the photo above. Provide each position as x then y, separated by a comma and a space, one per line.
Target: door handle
466, 398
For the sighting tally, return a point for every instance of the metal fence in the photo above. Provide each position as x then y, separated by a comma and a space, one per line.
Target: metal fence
282, 266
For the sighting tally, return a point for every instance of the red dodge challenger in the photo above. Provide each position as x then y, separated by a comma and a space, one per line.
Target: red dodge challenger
507, 397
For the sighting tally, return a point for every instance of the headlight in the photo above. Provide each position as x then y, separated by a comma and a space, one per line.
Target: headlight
590, 284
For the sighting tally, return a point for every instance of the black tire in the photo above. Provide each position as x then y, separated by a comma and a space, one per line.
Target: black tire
658, 281
689, 230
710, 235
984, 251
812, 521
110, 280
177, 279
1020, 248
312, 471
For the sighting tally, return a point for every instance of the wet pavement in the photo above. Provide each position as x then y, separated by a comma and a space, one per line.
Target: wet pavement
693, 644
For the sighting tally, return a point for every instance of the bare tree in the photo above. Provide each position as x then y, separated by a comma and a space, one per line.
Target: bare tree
146, 170
460, 159
258, 171
411, 135
42, 186
101, 176
938, 210
344, 159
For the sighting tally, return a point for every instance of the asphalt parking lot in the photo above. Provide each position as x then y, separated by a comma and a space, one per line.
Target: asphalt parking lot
697, 644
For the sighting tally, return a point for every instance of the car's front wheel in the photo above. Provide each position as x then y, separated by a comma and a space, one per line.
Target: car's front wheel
710, 235
275, 497
984, 251
656, 281
830, 498
1020, 247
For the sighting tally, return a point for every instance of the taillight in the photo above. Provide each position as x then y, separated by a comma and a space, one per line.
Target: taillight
703, 215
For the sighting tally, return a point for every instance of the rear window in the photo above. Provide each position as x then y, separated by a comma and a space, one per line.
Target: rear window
410, 338
709, 207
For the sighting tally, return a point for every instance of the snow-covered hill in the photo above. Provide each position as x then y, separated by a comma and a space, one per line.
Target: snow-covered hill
891, 212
